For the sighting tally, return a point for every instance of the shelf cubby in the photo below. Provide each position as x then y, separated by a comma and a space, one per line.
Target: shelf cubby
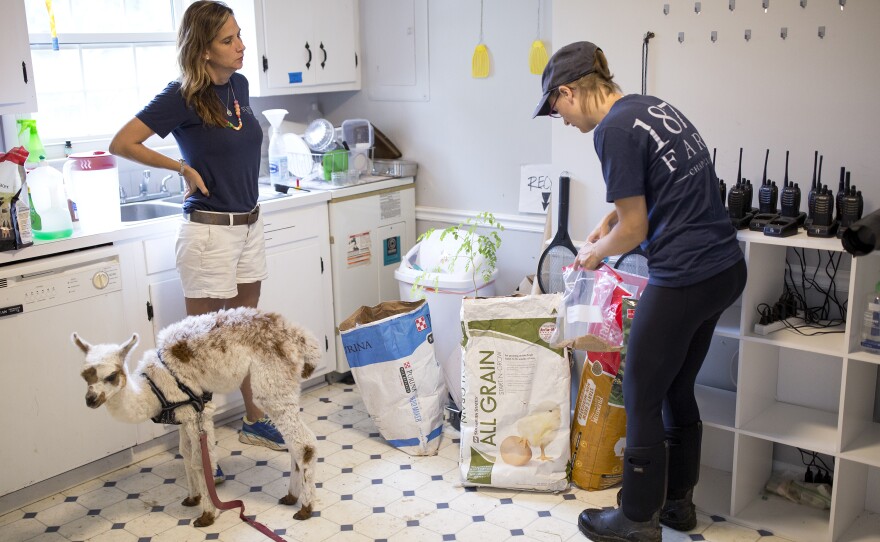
716, 470
860, 434
856, 502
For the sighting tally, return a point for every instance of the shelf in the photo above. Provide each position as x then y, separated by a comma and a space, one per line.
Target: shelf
717, 406
865, 448
866, 528
712, 494
830, 344
797, 426
728, 324
799, 240
864, 356
786, 519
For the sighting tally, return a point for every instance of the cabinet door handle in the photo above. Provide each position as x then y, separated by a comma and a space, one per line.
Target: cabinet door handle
309, 61
325, 55
24, 72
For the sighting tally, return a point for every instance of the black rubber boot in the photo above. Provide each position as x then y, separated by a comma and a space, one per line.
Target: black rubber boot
679, 512
644, 488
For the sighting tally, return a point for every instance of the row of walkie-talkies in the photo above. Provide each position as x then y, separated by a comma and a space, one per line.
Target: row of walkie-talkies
819, 220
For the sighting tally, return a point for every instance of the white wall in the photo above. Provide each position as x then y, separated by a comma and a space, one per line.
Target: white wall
800, 94
472, 135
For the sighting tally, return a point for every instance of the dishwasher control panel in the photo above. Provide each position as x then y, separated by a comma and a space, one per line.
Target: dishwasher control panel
52, 287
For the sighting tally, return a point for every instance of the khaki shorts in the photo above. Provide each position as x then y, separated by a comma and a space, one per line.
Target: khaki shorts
214, 260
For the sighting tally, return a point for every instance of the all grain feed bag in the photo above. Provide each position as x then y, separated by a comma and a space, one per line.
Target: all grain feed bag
390, 350
515, 395
598, 431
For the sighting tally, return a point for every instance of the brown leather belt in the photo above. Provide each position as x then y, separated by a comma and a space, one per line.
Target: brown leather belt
224, 219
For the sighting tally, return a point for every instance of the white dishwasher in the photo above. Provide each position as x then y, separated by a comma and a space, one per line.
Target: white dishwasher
371, 227
47, 427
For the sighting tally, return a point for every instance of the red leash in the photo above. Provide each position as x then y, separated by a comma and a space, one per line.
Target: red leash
212, 491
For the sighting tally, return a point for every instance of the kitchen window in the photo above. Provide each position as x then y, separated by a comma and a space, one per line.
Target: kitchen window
114, 56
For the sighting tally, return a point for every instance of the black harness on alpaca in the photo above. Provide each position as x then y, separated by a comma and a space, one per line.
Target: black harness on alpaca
166, 415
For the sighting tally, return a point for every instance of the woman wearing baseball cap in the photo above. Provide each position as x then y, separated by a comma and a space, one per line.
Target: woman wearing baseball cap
659, 176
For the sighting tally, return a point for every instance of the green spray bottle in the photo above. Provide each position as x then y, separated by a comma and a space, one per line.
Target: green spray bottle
30, 138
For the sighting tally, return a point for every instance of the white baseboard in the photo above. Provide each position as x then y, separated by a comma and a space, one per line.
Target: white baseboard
518, 222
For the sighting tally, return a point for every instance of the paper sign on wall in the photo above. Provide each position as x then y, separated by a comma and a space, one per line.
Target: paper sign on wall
535, 186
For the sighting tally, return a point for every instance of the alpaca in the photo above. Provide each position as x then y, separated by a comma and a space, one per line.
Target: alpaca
213, 353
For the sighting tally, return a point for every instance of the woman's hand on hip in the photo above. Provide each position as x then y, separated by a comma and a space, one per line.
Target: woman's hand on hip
194, 182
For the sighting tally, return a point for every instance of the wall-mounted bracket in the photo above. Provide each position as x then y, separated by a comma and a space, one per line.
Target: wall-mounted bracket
822, 32
714, 36
731, 5
765, 4
804, 4
748, 35
698, 7
665, 9
681, 37
783, 32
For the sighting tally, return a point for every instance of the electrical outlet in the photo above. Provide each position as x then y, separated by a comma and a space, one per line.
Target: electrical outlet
777, 325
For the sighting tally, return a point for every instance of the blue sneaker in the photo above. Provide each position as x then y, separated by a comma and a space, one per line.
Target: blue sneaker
219, 477
261, 433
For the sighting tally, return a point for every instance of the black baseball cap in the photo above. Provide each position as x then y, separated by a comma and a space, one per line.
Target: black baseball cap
567, 65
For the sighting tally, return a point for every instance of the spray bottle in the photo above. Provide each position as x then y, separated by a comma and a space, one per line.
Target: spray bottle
277, 151
29, 138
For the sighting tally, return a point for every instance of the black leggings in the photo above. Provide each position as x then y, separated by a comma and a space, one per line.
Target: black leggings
669, 339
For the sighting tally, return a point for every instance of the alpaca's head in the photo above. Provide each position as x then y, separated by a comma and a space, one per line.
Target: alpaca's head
104, 368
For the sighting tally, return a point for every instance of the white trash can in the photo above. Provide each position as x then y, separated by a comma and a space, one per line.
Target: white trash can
443, 291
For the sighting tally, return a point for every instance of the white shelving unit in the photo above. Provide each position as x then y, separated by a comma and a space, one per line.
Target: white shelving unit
817, 393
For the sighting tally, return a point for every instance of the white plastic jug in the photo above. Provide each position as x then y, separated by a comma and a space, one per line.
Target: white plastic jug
46, 186
92, 180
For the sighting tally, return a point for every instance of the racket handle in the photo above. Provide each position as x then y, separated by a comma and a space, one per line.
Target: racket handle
564, 186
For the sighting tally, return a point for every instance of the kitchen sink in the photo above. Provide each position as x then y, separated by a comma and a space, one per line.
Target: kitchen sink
133, 212
178, 198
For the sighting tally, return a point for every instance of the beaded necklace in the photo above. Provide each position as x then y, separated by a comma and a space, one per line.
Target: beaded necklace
235, 105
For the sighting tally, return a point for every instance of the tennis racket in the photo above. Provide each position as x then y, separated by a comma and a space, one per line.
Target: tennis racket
561, 252
634, 262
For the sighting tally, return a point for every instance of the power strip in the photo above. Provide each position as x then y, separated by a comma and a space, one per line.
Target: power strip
777, 325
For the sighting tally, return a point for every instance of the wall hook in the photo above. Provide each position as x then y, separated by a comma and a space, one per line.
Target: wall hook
698, 8
681, 37
731, 5
804, 4
842, 3
765, 4
713, 36
822, 32
748, 35
665, 9
783, 33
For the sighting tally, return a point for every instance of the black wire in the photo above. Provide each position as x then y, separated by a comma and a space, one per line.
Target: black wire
648, 36
815, 317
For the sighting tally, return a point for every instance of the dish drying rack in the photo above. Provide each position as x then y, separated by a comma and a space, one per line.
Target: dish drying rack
335, 168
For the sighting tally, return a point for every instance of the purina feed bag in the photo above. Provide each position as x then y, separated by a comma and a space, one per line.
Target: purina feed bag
390, 350
515, 395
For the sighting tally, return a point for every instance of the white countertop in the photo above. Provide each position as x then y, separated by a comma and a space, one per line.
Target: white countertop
133, 230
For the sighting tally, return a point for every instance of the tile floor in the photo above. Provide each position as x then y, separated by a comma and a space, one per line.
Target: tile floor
368, 491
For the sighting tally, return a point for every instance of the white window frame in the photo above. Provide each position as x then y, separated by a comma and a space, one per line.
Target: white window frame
55, 148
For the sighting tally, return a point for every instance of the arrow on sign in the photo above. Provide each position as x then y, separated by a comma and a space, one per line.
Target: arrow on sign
545, 200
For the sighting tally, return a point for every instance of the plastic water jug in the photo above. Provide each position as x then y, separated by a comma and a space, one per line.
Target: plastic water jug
46, 186
92, 180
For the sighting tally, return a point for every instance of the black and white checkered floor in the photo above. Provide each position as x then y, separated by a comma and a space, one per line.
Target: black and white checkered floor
367, 491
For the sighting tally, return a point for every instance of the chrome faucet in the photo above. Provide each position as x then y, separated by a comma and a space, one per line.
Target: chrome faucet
122, 195
144, 187
163, 187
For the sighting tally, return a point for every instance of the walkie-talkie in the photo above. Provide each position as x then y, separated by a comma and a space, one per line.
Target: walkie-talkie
791, 216
722, 188
814, 189
824, 224
768, 195
851, 206
739, 200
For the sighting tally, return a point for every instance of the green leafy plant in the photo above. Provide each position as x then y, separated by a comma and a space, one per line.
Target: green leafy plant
471, 246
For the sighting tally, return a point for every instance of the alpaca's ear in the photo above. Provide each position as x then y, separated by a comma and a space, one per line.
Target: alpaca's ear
84, 346
128, 346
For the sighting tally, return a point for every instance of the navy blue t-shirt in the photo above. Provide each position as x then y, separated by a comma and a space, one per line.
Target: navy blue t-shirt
648, 148
228, 160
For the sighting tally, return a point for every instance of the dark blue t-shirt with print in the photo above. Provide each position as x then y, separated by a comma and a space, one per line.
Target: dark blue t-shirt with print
649, 148
228, 160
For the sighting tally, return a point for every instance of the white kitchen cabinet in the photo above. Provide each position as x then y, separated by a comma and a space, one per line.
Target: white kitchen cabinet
792, 391
17, 91
299, 46
299, 285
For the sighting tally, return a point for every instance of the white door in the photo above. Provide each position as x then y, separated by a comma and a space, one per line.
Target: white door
17, 91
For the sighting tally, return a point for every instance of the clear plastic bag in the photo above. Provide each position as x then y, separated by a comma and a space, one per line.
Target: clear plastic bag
589, 313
